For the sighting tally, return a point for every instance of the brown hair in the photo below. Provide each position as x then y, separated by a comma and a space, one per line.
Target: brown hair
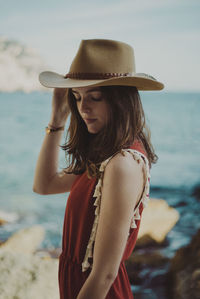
85, 151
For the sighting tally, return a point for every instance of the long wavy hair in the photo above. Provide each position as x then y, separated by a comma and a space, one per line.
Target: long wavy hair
85, 151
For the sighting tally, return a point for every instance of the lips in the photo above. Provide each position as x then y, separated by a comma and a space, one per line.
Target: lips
90, 120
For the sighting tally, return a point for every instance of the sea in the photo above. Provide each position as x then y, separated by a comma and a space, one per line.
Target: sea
174, 120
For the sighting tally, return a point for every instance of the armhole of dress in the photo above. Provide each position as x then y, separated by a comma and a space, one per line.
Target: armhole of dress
97, 194
144, 198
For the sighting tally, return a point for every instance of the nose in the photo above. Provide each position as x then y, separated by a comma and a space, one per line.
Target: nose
84, 106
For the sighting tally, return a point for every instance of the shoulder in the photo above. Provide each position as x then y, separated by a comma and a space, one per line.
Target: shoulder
123, 179
124, 166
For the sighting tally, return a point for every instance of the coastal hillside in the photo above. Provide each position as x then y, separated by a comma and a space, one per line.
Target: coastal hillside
19, 67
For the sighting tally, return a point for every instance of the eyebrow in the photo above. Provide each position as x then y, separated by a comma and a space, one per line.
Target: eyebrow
90, 90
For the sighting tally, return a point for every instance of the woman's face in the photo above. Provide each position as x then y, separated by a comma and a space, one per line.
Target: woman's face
92, 106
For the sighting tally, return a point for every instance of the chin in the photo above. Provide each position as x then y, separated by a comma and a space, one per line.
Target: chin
93, 131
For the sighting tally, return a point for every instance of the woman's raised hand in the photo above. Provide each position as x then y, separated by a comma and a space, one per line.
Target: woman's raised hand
48, 179
60, 107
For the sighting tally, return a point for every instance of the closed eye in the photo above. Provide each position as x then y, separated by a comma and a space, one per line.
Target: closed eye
92, 98
96, 99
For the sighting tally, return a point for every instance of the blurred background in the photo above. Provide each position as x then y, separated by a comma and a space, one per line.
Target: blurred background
44, 35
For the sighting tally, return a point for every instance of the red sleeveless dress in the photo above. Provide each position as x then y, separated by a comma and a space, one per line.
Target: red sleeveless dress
78, 223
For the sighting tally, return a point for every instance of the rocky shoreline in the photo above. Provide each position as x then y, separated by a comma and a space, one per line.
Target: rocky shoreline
30, 272
24, 274
184, 271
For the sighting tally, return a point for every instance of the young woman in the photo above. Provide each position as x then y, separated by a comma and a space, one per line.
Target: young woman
109, 152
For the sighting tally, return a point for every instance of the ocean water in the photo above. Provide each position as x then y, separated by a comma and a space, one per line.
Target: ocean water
175, 126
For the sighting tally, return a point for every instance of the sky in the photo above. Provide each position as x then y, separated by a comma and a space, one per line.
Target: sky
165, 34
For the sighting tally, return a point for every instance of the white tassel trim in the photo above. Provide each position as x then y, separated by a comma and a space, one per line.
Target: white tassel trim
97, 193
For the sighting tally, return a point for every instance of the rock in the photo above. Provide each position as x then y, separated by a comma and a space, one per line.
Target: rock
147, 266
196, 192
19, 66
25, 241
53, 253
141, 260
149, 258
159, 278
148, 241
157, 220
184, 272
26, 276
196, 275
145, 294
7, 217
2, 222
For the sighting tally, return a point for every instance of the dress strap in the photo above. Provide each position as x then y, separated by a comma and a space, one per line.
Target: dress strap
138, 156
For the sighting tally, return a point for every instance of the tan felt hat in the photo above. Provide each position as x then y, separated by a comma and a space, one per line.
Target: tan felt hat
101, 62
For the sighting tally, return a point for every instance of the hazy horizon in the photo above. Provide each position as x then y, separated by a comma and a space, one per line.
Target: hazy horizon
165, 35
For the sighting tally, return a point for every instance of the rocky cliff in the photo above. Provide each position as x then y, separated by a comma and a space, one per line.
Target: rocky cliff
19, 67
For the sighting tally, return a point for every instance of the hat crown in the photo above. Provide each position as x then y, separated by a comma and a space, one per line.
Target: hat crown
103, 56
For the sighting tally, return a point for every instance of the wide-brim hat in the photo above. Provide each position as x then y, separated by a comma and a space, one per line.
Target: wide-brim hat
101, 62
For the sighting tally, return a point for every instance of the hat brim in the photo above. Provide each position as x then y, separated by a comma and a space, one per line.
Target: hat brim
55, 80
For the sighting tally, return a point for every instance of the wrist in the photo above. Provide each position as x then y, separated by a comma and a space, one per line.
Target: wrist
54, 126
50, 129
57, 122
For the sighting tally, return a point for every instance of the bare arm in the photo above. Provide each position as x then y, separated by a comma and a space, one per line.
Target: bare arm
47, 179
122, 188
